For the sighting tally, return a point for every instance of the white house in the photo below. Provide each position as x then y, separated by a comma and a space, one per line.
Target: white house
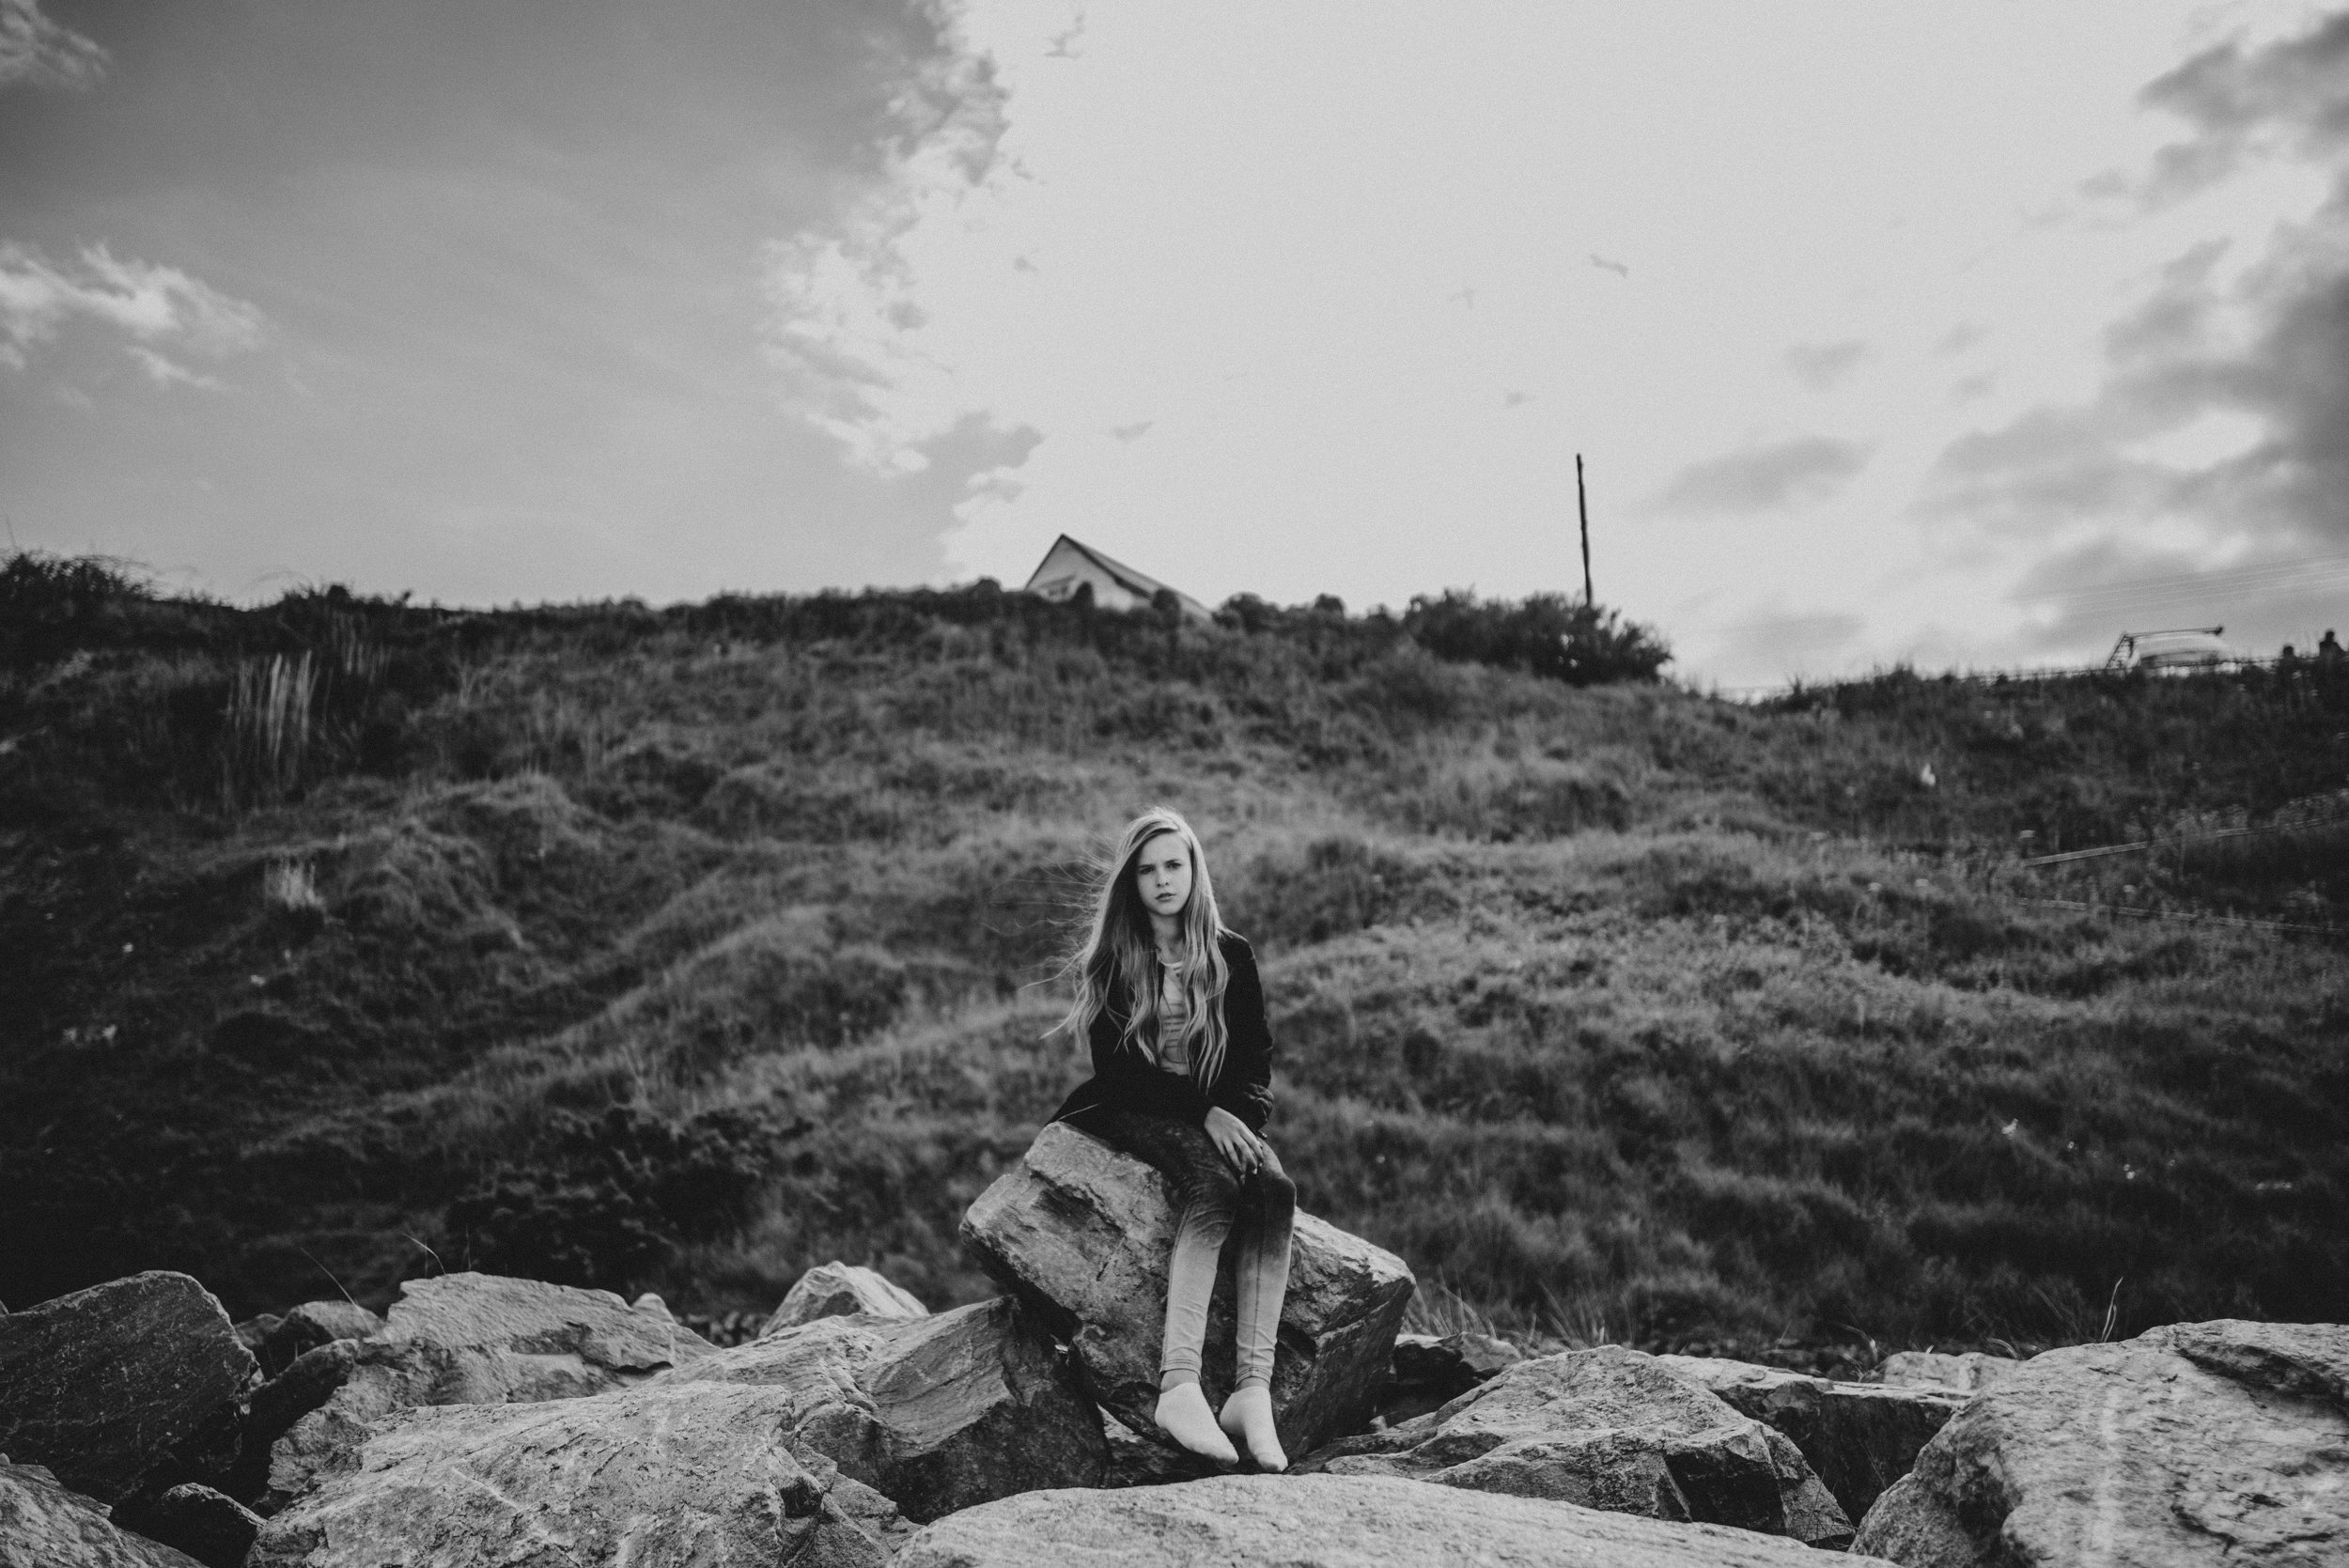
1069, 565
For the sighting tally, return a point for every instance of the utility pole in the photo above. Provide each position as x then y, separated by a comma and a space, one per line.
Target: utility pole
1582, 504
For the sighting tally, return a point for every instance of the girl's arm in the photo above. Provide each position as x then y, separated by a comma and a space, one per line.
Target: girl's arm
1244, 1087
1102, 1035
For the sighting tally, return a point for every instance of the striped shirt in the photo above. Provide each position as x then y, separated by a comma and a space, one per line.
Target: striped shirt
1173, 1051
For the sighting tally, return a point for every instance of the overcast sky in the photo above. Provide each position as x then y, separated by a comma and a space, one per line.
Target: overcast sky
1967, 333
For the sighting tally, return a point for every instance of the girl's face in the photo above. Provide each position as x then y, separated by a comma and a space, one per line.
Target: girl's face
1163, 875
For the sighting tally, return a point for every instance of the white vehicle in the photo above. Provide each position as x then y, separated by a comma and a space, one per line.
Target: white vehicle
2177, 649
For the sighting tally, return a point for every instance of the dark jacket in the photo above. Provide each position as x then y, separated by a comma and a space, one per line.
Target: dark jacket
1124, 1079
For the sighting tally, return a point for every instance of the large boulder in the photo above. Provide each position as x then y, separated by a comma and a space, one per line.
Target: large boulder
1323, 1522
838, 1289
43, 1525
476, 1338
935, 1413
1608, 1429
2200, 1443
1083, 1233
131, 1386
1860, 1438
698, 1476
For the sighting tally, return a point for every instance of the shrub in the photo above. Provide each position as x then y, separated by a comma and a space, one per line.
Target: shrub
1545, 634
50, 604
609, 1199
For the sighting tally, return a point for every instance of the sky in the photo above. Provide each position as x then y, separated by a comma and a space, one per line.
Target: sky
1963, 332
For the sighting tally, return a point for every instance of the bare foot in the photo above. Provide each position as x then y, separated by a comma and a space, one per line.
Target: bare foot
1248, 1416
1183, 1414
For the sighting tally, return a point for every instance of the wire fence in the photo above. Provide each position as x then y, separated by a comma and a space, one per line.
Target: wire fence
2309, 811
2193, 917
2024, 674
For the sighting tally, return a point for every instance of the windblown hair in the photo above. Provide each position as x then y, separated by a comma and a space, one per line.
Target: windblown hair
1120, 954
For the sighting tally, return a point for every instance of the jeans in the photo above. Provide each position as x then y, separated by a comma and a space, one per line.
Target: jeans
1211, 1202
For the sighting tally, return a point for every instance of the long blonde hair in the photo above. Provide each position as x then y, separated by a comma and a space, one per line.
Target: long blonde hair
1120, 948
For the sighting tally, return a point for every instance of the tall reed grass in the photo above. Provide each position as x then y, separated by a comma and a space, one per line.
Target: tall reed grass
270, 706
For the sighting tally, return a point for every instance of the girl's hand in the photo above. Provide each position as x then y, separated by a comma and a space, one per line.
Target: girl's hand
1241, 1149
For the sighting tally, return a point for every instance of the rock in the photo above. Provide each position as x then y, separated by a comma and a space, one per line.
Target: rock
1323, 1522
481, 1339
837, 1289
253, 1333
1931, 1369
1860, 1438
314, 1324
301, 1388
1148, 1459
1608, 1429
2222, 1442
278, 1404
654, 1477
43, 1525
129, 1385
935, 1413
1453, 1365
1083, 1233
208, 1526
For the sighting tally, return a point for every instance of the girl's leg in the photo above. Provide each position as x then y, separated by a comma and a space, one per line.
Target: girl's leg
1211, 1200
1206, 1198
1267, 1216
1262, 1272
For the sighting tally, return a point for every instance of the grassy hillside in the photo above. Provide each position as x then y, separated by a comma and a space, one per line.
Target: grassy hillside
681, 950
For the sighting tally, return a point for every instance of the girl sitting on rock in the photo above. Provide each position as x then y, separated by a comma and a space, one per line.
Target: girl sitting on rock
1169, 1000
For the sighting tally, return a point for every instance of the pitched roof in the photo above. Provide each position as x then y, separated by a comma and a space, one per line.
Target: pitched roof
1139, 584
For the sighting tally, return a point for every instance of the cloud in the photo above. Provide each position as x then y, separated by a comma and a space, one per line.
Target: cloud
1820, 366
36, 49
2289, 96
166, 371
1809, 468
151, 305
2261, 342
843, 324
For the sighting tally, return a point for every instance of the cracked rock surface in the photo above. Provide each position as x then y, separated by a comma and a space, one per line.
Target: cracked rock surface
703, 1476
44, 1526
134, 1385
1327, 1522
1610, 1429
936, 1412
2200, 1443
481, 1339
1861, 1438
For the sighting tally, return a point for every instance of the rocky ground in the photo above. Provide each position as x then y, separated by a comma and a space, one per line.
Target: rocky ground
487, 1420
